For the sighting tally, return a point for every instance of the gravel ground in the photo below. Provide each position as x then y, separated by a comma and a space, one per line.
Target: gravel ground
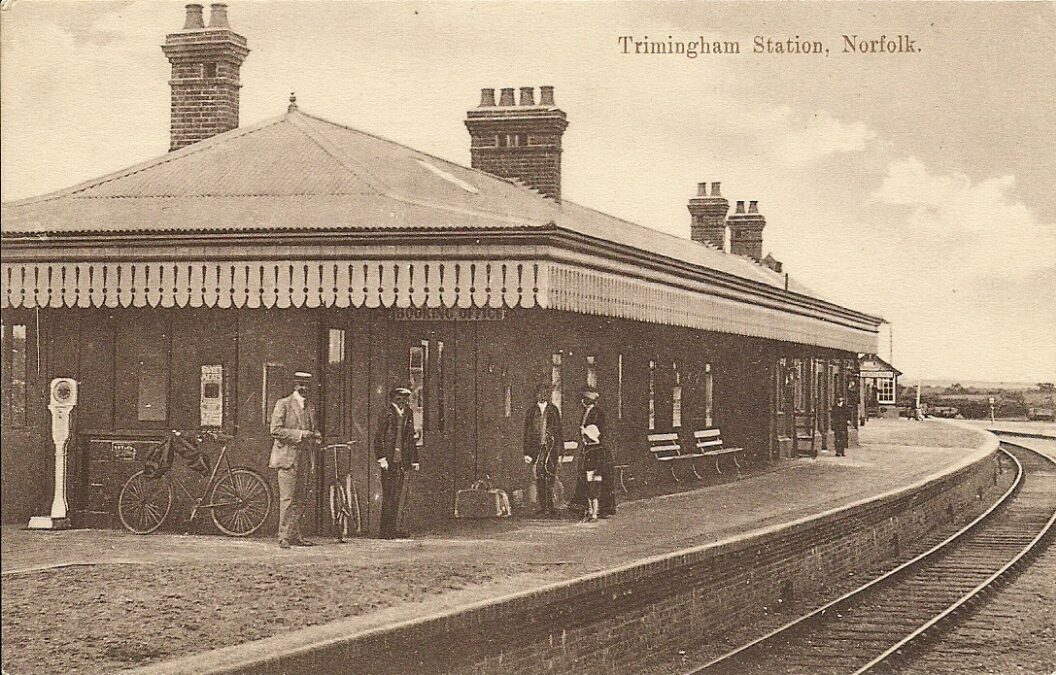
156, 612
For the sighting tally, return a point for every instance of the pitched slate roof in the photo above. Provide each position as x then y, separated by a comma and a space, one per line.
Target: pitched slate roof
301, 173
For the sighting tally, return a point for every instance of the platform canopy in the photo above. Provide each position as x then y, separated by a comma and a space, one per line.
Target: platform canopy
300, 212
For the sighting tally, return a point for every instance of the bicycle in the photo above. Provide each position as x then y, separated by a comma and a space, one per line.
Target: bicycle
344, 498
237, 496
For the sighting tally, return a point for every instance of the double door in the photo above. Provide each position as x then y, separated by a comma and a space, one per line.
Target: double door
361, 362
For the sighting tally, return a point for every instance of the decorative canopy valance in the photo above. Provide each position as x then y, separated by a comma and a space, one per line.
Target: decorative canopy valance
420, 283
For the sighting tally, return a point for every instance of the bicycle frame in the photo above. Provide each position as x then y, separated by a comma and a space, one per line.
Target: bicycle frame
198, 505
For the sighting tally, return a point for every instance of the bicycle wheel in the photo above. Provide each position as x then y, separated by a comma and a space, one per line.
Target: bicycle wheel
144, 503
240, 502
339, 510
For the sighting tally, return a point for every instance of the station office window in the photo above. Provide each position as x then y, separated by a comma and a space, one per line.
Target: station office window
555, 380
709, 396
885, 391
676, 398
652, 395
335, 379
592, 372
419, 358
13, 352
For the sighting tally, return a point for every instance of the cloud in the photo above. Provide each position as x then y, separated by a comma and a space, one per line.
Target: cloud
970, 230
793, 137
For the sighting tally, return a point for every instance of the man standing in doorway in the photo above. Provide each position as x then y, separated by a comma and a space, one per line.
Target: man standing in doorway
396, 450
542, 433
293, 428
840, 415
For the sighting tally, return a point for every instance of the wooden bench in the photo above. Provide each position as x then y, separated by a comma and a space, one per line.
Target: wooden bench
709, 444
667, 449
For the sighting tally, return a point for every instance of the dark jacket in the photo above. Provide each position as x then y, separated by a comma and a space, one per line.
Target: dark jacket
552, 448
385, 437
840, 416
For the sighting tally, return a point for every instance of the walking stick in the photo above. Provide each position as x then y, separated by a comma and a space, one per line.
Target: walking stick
401, 505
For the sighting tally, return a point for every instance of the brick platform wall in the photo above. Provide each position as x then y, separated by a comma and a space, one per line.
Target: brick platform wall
615, 621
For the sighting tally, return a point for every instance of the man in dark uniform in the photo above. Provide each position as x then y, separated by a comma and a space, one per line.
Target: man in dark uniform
594, 415
542, 446
840, 416
396, 450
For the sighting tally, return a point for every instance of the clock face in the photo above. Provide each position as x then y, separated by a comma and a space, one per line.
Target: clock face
63, 392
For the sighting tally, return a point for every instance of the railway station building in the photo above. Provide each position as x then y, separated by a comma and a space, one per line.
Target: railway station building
247, 253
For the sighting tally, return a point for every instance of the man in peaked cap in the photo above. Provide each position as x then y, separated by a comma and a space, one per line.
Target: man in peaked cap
293, 426
396, 449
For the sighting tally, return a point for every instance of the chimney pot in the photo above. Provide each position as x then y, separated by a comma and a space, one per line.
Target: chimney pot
527, 95
715, 190
546, 96
293, 102
753, 207
702, 189
194, 18
487, 97
218, 15
740, 207
506, 99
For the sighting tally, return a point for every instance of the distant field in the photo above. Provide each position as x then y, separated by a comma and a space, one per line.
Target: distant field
973, 384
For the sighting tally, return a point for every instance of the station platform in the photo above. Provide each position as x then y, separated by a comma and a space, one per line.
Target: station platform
387, 583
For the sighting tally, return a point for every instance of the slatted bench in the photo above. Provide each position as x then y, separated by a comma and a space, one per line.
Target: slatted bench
667, 449
709, 444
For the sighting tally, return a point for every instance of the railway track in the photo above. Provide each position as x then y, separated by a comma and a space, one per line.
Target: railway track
873, 629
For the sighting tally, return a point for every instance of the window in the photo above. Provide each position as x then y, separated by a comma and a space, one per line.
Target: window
652, 395
13, 348
334, 377
152, 399
799, 385
439, 386
592, 372
276, 377
507, 394
142, 356
419, 358
511, 140
885, 391
709, 397
555, 380
676, 397
619, 386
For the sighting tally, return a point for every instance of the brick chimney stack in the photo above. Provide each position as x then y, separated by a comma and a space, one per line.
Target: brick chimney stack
746, 231
519, 141
708, 225
205, 83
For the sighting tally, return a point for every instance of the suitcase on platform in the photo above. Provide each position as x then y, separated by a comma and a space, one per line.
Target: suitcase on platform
482, 501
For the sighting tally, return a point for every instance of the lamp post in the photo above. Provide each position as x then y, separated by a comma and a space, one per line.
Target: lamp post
991, 401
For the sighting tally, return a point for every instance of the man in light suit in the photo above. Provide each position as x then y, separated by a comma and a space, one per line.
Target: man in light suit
294, 429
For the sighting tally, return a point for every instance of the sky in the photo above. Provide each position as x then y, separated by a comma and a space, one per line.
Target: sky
912, 186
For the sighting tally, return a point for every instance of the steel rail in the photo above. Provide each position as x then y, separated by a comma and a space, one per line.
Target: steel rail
914, 563
989, 581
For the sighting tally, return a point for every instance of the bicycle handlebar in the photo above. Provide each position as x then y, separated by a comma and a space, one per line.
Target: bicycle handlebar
202, 435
